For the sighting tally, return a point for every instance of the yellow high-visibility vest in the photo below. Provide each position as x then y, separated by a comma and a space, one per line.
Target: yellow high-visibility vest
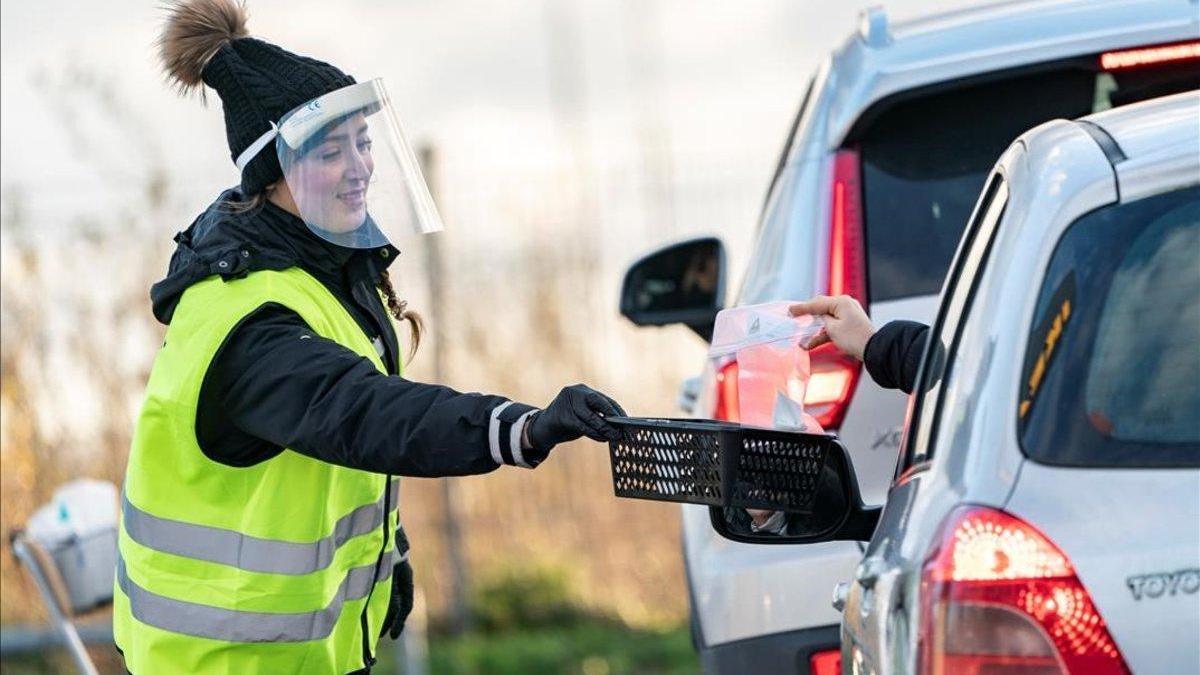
280, 567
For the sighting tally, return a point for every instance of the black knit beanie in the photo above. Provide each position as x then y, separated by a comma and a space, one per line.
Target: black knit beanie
205, 42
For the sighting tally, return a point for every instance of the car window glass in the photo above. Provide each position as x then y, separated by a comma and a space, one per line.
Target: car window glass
925, 158
956, 302
1112, 371
791, 138
1161, 407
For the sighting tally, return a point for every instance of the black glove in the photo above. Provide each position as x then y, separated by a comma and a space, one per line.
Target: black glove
402, 598
401, 602
576, 411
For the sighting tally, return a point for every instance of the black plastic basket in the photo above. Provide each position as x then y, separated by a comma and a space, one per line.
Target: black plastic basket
717, 463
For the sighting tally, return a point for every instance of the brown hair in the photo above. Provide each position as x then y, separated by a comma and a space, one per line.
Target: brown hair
396, 307
399, 309
254, 203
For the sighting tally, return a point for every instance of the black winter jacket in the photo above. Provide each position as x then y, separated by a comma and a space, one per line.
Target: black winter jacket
274, 384
893, 354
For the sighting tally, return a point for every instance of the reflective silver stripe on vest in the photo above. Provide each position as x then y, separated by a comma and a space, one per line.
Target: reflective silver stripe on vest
253, 554
230, 625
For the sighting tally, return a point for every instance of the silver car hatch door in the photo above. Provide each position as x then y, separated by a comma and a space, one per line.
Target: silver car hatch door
1133, 537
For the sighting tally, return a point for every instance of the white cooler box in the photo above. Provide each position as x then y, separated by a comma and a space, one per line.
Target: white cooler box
78, 528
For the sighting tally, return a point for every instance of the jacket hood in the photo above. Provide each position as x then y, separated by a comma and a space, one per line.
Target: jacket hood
232, 243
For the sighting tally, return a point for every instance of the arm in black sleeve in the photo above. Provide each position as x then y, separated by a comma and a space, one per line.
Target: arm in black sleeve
893, 354
277, 380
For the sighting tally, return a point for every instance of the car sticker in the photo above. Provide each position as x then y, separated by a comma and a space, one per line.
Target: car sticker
1046, 337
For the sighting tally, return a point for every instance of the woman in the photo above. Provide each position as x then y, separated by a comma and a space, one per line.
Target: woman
259, 520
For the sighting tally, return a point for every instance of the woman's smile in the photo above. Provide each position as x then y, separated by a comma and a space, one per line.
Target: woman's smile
355, 199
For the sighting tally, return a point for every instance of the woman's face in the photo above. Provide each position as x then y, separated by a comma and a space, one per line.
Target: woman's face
329, 181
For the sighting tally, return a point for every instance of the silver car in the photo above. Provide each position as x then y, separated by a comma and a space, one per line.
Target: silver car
895, 137
1045, 511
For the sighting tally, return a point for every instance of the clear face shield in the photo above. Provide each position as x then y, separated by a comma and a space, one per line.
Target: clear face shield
351, 172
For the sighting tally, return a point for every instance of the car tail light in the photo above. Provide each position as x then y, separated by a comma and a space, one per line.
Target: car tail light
830, 386
826, 662
847, 264
998, 597
727, 393
1148, 56
833, 378
834, 374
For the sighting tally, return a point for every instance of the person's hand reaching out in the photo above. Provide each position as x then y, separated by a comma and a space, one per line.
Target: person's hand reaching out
846, 323
577, 411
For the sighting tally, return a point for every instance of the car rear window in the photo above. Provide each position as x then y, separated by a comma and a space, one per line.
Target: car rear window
924, 159
1112, 371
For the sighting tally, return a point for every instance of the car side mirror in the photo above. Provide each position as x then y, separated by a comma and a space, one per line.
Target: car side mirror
682, 283
838, 513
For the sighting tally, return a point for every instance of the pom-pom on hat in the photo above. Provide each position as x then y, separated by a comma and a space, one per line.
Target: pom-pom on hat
204, 42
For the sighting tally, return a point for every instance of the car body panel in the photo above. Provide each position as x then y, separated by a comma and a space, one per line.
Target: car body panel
1112, 525
974, 42
1055, 173
743, 590
989, 39
1152, 166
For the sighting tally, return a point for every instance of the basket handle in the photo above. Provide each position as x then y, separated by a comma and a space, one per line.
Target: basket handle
730, 442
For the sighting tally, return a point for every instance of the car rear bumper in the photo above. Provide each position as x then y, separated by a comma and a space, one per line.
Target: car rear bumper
783, 653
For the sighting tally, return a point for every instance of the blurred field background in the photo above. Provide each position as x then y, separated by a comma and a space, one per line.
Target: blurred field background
566, 137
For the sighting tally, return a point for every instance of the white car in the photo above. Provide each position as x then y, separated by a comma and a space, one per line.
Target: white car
1045, 512
895, 137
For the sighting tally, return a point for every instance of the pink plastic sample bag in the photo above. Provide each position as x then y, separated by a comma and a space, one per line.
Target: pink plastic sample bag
773, 369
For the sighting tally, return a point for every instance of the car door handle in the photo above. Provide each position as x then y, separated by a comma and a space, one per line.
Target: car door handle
868, 571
